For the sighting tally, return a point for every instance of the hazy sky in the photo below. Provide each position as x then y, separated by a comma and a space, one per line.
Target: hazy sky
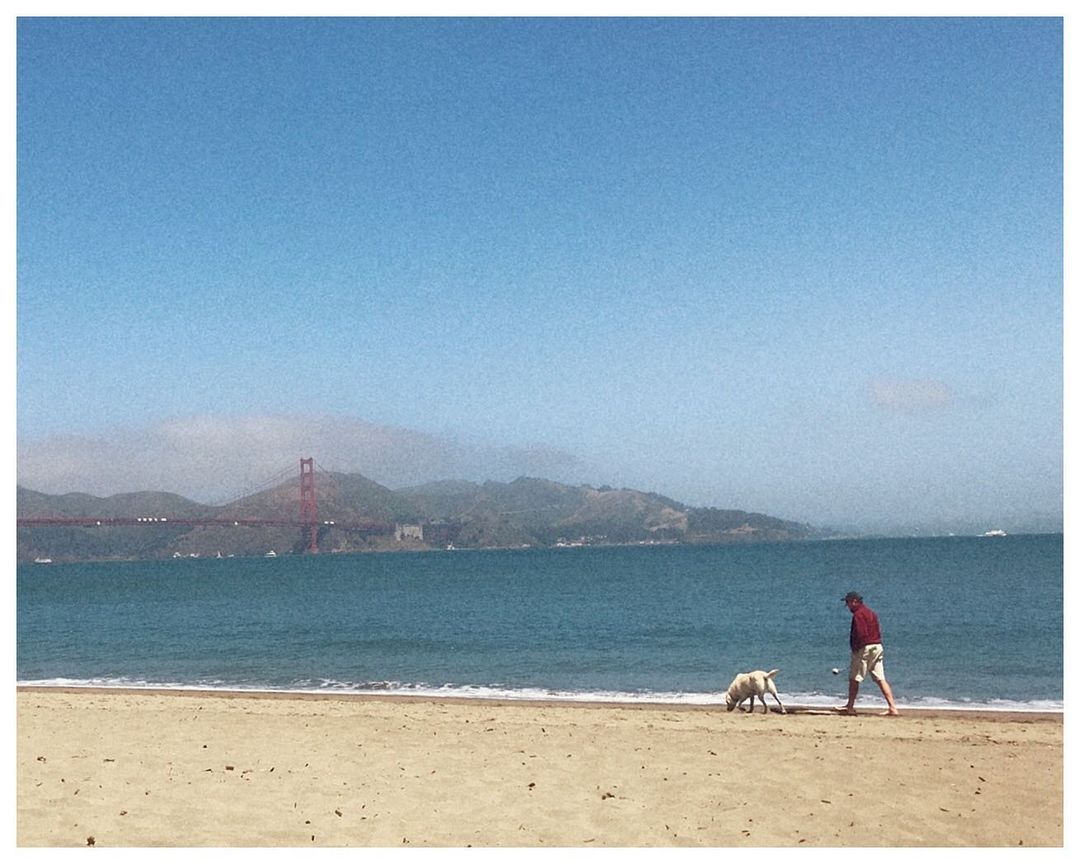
811, 267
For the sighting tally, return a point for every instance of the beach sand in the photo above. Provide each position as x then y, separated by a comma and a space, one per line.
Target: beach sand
142, 768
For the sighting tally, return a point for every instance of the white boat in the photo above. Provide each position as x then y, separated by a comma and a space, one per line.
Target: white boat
270, 554
995, 532
43, 560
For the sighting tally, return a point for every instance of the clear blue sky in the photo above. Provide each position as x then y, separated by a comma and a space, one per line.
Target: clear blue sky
806, 266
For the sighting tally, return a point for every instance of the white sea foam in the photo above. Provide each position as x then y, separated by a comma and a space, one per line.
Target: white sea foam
539, 694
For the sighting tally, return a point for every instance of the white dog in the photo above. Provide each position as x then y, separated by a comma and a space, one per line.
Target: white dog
747, 685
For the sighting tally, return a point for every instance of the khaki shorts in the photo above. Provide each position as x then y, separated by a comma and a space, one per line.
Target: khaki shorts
868, 660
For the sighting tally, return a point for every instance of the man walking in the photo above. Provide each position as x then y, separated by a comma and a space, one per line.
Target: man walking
867, 655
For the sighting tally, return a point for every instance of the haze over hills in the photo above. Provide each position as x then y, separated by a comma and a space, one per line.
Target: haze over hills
464, 514
211, 459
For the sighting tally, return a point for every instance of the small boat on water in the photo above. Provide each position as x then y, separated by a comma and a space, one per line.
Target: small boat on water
995, 532
43, 560
270, 554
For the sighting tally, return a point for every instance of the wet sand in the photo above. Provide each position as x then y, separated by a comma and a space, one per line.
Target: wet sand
182, 768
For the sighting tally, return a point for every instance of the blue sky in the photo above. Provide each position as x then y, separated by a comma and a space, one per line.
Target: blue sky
811, 267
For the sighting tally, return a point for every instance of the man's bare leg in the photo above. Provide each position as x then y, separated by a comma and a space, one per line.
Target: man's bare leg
852, 692
886, 691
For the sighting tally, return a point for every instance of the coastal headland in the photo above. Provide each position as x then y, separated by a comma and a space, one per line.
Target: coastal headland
184, 768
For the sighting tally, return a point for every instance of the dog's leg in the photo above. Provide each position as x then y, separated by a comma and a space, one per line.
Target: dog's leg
775, 695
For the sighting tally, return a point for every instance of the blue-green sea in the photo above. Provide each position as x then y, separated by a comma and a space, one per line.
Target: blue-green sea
967, 622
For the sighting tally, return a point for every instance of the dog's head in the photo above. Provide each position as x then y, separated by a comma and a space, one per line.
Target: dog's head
731, 701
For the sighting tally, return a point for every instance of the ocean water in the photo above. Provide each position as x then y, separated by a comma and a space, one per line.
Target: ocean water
966, 622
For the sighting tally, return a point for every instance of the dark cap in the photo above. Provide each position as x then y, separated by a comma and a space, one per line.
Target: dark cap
853, 595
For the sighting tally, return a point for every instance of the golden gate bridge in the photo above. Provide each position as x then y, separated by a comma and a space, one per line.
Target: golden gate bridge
307, 519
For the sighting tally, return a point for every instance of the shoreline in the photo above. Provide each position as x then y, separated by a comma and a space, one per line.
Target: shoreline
628, 544
555, 701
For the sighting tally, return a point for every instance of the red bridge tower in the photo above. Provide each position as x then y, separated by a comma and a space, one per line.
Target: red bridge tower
309, 512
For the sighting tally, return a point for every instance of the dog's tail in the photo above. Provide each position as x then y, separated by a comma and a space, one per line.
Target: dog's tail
771, 673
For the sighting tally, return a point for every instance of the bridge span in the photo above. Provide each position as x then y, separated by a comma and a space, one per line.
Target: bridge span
188, 522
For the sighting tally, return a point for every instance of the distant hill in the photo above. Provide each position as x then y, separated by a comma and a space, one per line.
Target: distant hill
541, 512
530, 511
31, 503
525, 512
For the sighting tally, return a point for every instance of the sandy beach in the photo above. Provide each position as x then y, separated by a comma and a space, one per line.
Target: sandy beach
142, 768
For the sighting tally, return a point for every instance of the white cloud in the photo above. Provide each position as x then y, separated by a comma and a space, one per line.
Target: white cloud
914, 396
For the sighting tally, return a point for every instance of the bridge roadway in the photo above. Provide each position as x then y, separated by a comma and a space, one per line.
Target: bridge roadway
166, 521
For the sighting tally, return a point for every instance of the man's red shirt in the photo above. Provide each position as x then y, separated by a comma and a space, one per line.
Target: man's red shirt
865, 629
